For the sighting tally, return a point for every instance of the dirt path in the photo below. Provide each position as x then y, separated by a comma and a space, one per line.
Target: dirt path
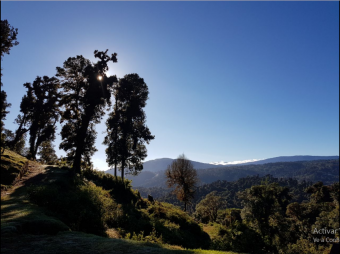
34, 169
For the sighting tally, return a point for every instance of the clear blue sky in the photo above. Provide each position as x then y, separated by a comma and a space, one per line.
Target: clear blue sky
228, 80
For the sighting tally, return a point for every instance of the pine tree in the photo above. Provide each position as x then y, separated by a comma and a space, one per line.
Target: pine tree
127, 132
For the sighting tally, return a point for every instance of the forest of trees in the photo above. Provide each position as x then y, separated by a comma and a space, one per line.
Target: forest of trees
77, 98
255, 214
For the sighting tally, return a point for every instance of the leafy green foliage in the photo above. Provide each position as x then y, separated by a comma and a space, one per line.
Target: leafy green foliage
19, 146
207, 209
238, 237
264, 208
166, 222
268, 224
3, 107
47, 153
120, 190
12, 166
228, 190
83, 207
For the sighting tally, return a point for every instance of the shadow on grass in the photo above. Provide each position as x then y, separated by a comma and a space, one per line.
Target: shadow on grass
18, 215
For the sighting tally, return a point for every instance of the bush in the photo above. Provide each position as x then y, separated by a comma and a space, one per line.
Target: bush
120, 191
86, 208
238, 238
12, 166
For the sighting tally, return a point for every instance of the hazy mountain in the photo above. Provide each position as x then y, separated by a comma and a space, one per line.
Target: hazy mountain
291, 159
162, 164
311, 168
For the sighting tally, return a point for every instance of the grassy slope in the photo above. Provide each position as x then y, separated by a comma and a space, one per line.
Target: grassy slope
26, 228
11, 166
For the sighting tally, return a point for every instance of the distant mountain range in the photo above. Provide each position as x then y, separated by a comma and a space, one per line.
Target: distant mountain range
283, 166
163, 163
291, 159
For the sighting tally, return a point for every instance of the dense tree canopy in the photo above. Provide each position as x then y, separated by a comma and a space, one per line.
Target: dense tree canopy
8, 40
19, 146
39, 113
264, 208
47, 153
209, 206
86, 92
3, 107
127, 132
8, 37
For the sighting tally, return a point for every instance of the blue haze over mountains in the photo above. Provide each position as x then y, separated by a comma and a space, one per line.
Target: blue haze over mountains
289, 166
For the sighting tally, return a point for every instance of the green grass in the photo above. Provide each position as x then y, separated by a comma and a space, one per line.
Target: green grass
28, 228
11, 166
212, 229
77, 242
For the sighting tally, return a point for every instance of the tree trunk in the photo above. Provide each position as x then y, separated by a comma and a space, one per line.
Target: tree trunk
80, 145
32, 144
116, 141
123, 163
18, 134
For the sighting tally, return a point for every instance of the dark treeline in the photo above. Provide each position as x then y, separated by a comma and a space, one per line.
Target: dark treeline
8, 40
326, 171
77, 98
228, 190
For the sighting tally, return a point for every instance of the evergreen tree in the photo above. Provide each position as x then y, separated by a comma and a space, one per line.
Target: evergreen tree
8, 40
39, 113
8, 37
86, 92
44, 111
3, 107
47, 153
126, 128
19, 146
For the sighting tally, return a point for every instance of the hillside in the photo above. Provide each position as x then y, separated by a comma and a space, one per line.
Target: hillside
228, 190
161, 164
326, 171
28, 228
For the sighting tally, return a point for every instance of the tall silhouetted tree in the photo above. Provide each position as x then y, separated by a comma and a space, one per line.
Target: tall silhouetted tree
8, 37
183, 176
8, 40
4, 105
126, 126
19, 146
84, 98
39, 108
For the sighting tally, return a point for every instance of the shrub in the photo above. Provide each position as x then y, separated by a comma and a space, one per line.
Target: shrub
86, 208
120, 191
